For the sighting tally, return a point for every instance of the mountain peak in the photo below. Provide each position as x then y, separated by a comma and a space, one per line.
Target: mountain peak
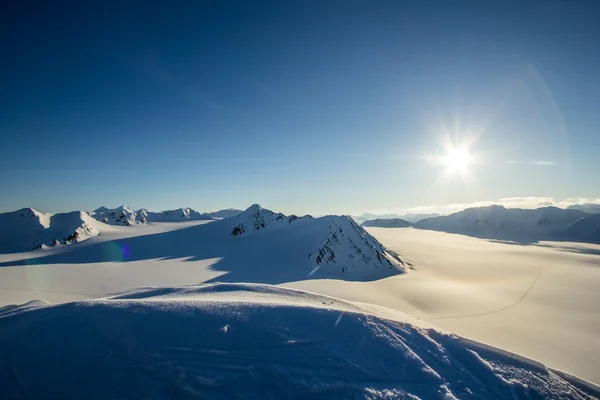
255, 207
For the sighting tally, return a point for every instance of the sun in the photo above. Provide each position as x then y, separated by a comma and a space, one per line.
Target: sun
457, 160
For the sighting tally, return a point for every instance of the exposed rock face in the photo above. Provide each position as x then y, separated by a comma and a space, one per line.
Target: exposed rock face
335, 241
256, 218
350, 246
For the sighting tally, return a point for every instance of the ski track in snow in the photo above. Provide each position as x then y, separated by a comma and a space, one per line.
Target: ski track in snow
255, 341
483, 293
508, 307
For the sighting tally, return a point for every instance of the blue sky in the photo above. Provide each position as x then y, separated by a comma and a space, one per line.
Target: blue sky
300, 106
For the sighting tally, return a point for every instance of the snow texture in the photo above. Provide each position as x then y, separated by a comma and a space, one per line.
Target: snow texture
224, 341
27, 229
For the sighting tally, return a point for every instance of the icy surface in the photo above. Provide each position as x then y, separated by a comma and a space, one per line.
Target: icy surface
251, 341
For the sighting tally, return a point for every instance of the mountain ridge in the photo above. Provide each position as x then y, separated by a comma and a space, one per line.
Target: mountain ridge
513, 224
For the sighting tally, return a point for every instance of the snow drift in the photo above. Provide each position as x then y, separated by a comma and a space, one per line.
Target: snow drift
498, 222
251, 341
28, 229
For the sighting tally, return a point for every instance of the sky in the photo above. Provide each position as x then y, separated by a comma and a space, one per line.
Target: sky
303, 107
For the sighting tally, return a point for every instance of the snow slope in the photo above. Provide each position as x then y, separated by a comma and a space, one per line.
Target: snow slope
587, 229
254, 342
538, 300
498, 222
122, 215
387, 223
225, 213
178, 215
337, 243
27, 229
590, 208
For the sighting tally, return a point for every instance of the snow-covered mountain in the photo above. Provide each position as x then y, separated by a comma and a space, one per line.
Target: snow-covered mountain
498, 222
27, 229
122, 215
178, 215
256, 218
387, 223
223, 341
334, 245
590, 208
587, 229
409, 217
417, 217
226, 213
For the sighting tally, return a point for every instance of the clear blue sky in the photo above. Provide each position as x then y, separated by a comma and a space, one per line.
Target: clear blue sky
306, 107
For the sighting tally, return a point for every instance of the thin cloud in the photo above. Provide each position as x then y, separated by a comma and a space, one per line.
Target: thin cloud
513, 162
543, 163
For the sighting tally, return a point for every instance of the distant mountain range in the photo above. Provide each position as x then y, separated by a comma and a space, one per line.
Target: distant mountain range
124, 215
27, 229
326, 247
590, 208
521, 225
387, 223
409, 217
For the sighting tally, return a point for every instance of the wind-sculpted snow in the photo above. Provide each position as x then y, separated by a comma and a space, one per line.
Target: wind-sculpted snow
27, 229
224, 341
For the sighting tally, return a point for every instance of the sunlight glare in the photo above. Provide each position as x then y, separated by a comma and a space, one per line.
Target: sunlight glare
457, 159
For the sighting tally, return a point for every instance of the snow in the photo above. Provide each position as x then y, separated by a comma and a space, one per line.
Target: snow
337, 245
27, 229
587, 229
537, 300
498, 222
387, 223
409, 217
121, 215
127, 216
590, 208
225, 213
181, 214
253, 341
